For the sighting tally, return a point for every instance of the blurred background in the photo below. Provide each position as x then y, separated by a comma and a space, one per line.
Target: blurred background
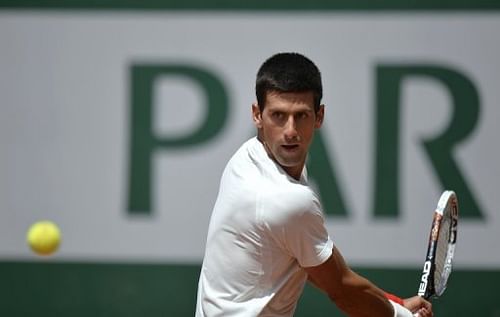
118, 117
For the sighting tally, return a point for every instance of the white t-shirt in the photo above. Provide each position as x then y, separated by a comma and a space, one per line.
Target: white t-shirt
264, 228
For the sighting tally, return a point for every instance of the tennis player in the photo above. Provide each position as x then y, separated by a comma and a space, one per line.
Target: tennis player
267, 236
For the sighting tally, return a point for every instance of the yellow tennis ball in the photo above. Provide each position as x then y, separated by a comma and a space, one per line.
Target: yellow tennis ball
44, 237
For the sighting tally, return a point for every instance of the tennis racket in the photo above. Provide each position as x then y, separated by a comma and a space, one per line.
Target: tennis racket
442, 240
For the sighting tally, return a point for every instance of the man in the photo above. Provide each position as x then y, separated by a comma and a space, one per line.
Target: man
267, 236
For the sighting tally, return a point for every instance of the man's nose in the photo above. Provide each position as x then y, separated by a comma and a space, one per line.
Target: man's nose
290, 128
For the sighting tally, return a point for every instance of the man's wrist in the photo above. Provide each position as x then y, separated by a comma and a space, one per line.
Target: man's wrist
394, 298
400, 311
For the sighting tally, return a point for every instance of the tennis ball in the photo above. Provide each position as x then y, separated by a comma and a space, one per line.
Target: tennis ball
44, 237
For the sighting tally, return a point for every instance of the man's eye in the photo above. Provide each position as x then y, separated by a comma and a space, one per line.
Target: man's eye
277, 115
302, 115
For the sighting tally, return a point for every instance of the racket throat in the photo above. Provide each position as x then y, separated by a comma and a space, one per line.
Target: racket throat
426, 288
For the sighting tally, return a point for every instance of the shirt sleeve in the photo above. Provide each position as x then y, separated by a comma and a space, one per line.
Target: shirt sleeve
298, 225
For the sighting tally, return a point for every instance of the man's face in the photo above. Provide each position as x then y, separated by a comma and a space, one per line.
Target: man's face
286, 127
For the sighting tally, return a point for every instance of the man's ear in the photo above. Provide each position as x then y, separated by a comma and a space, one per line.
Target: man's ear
320, 115
256, 116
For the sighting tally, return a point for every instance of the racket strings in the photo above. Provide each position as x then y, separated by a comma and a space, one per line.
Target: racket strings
441, 259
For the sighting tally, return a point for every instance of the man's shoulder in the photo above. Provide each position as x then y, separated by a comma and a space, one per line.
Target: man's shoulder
287, 202
240, 161
244, 153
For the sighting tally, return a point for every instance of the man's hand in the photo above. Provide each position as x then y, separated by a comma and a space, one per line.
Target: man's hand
418, 305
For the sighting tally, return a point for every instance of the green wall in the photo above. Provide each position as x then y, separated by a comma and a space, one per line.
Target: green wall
107, 289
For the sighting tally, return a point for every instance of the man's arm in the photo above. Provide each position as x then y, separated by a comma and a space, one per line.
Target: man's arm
352, 293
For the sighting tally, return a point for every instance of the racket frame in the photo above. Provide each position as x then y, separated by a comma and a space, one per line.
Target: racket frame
428, 287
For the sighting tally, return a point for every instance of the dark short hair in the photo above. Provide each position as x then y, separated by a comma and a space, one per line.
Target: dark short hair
288, 72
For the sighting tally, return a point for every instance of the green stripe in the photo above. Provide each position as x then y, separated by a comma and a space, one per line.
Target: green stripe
262, 5
113, 289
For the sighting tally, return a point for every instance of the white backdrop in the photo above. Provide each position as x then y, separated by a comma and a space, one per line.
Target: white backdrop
65, 110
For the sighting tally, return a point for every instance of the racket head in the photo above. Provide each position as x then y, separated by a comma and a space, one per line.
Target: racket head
441, 248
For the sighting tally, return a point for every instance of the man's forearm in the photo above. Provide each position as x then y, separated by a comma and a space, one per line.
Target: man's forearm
362, 298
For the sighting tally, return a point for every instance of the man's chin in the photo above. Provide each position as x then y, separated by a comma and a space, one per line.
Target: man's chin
290, 161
